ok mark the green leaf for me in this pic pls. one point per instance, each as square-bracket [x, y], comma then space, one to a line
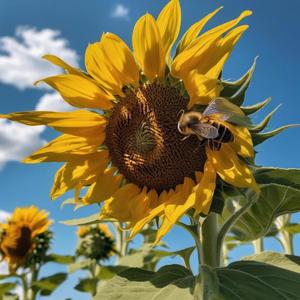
[6, 287]
[87, 285]
[80, 265]
[289, 177]
[258, 138]
[60, 259]
[108, 272]
[134, 260]
[235, 91]
[264, 123]
[284, 261]
[47, 285]
[169, 283]
[248, 280]
[274, 200]
[249, 110]
[92, 219]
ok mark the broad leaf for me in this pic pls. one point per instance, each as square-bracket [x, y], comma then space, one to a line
[60, 259]
[47, 285]
[288, 177]
[135, 260]
[87, 285]
[248, 280]
[274, 200]
[284, 261]
[108, 272]
[92, 219]
[169, 283]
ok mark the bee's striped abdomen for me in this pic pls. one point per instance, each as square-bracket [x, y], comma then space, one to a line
[225, 136]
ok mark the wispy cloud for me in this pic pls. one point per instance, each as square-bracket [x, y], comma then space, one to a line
[20, 66]
[4, 215]
[17, 141]
[53, 102]
[120, 11]
[20, 56]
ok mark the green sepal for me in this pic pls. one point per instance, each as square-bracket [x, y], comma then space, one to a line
[264, 123]
[249, 110]
[235, 91]
[258, 138]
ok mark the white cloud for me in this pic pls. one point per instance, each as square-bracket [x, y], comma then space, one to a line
[4, 215]
[20, 56]
[120, 11]
[53, 102]
[18, 140]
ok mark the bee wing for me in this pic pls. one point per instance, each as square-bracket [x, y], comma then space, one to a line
[227, 111]
[205, 130]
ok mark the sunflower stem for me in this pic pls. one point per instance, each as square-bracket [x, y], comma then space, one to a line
[207, 252]
[258, 245]
[24, 286]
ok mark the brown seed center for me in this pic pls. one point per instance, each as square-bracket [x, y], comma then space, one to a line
[144, 141]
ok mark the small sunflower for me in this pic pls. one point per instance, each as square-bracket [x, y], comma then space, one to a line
[95, 242]
[123, 144]
[19, 234]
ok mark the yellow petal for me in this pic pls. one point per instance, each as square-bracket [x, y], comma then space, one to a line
[79, 122]
[168, 22]
[117, 206]
[230, 168]
[66, 147]
[62, 64]
[242, 143]
[199, 50]
[194, 30]
[120, 58]
[80, 92]
[79, 172]
[148, 47]
[201, 88]
[223, 51]
[204, 190]
[100, 69]
[104, 187]
[175, 207]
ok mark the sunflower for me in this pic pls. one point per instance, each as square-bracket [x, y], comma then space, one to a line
[95, 242]
[19, 234]
[123, 143]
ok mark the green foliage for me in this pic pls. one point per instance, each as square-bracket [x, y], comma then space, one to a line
[250, 280]
[87, 285]
[6, 287]
[60, 259]
[168, 283]
[258, 138]
[47, 285]
[235, 91]
[249, 110]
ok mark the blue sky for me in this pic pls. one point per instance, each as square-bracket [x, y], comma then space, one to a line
[30, 27]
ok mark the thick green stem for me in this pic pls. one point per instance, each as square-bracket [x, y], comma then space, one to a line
[258, 245]
[208, 236]
[34, 276]
[287, 242]
[24, 286]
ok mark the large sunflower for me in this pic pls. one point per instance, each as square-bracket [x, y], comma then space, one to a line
[19, 234]
[127, 149]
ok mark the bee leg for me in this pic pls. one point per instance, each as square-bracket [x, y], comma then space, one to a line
[214, 145]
